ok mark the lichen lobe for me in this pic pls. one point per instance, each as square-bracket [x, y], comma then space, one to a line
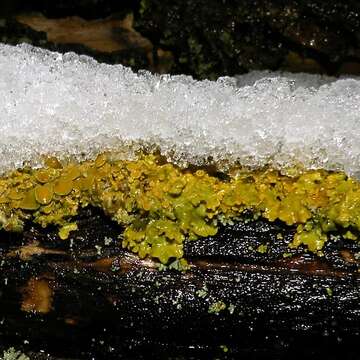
[160, 205]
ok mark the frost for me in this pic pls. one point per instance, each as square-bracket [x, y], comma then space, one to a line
[70, 105]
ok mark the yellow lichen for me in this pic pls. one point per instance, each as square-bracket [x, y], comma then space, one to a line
[65, 230]
[63, 186]
[44, 194]
[29, 201]
[161, 206]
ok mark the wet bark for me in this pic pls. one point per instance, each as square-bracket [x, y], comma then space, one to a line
[104, 302]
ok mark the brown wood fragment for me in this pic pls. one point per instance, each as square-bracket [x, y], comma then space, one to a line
[102, 265]
[105, 35]
[26, 252]
[348, 256]
[37, 296]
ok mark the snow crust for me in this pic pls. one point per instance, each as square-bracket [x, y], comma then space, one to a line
[70, 105]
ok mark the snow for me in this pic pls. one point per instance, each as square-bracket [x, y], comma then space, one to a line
[72, 106]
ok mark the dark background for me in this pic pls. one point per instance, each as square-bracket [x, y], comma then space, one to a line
[204, 38]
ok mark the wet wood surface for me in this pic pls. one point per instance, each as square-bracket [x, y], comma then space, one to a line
[104, 302]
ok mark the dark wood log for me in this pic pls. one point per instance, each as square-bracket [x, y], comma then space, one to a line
[86, 297]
